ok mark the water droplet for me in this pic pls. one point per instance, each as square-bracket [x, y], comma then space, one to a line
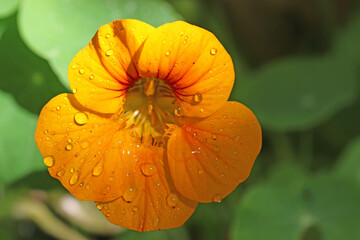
[81, 118]
[201, 171]
[201, 109]
[81, 71]
[167, 53]
[69, 140]
[178, 112]
[148, 169]
[213, 51]
[49, 161]
[61, 173]
[74, 90]
[58, 107]
[81, 184]
[111, 178]
[172, 200]
[74, 178]
[130, 194]
[156, 222]
[181, 33]
[217, 198]
[135, 208]
[74, 66]
[108, 214]
[188, 129]
[68, 147]
[214, 137]
[107, 35]
[72, 170]
[91, 77]
[87, 186]
[100, 206]
[198, 97]
[84, 144]
[46, 131]
[109, 52]
[98, 169]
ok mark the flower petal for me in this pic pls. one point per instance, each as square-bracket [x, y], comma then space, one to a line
[151, 202]
[209, 158]
[101, 72]
[90, 153]
[193, 62]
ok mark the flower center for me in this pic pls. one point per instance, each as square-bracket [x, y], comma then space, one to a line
[149, 106]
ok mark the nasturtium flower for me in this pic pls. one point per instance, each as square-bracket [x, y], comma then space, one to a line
[148, 131]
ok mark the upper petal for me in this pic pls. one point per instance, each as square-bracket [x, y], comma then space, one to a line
[193, 62]
[101, 72]
[151, 202]
[91, 154]
[209, 158]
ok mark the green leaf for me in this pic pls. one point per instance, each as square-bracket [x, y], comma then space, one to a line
[325, 206]
[8, 7]
[26, 76]
[58, 29]
[19, 154]
[170, 234]
[349, 161]
[298, 93]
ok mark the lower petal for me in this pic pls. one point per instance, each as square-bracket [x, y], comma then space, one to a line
[151, 201]
[209, 158]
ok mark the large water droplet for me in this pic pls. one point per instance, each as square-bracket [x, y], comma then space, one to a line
[81, 71]
[148, 169]
[74, 178]
[49, 161]
[81, 118]
[213, 51]
[98, 169]
[198, 97]
[172, 200]
[130, 194]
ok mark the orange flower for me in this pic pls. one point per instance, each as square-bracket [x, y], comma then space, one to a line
[148, 132]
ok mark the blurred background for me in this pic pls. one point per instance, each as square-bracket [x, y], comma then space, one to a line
[297, 66]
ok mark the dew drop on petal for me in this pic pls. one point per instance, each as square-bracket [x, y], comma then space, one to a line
[46, 131]
[202, 110]
[130, 194]
[74, 178]
[72, 170]
[68, 147]
[107, 35]
[97, 169]
[135, 208]
[74, 90]
[58, 107]
[49, 161]
[91, 77]
[87, 186]
[84, 144]
[156, 222]
[69, 140]
[172, 200]
[213, 51]
[74, 66]
[81, 71]
[198, 97]
[201, 171]
[148, 169]
[81, 118]
[61, 173]
[217, 198]
[167, 53]
[109, 52]
[100, 206]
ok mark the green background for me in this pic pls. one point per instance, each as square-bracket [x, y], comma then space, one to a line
[297, 67]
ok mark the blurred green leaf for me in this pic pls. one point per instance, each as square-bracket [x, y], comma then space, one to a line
[8, 7]
[19, 154]
[28, 77]
[298, 93]
[58, 29]
[346, 44]
[349, 162]
[282, 208]
[171, 234]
